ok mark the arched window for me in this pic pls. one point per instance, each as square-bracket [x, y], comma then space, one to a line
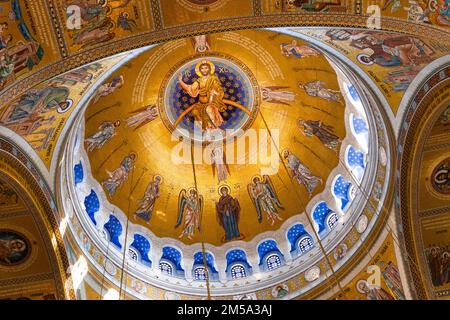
[166, 268]
[172, 256]
[320, 214]
[92, 205]
[200, 273]
[238, 272]
[305, 244]
[237, 264]
[142, 246]
[360, 131]
[270, 257]
[273, 262]
[332, 221]
[114, 228]
[341, 190]
[299, 239]
[199, 269]
[355, 161]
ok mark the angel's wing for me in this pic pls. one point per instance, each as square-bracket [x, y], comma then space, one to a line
[273, 194]
[182, 201]
[255, 201]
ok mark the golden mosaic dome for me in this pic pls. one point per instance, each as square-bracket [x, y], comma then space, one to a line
[238, 152]
[260, 96]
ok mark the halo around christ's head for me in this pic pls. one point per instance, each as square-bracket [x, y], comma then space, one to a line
[203, 62]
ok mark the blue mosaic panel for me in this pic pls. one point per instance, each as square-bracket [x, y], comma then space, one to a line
[92, 205]
[142, 245]
[114, 228]
[320, 215]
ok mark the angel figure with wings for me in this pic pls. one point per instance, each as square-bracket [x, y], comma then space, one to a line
[191, 207]
[278, 94]
[105, 132]
[265, 199]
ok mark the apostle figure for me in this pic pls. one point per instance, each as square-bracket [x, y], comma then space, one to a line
[142, 116]
[147, 204]
[120, 175]
[108, 88]
[293, 49]
[317, 89]
[208, 89]
[228, 213]
[278, 94]
[324, 132]
[105, 132]
[434, 264]
[302, 173]
[191, 207]
[265, 199]
[391, 276]
[445, 268]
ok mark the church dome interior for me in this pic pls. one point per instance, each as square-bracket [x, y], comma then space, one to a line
[223, 150]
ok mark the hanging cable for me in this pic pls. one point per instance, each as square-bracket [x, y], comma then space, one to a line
[126, 235]
[208, 289]
[104, 270]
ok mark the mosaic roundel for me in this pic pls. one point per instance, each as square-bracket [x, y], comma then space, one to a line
[15, 248]
[209, 98]
[440, 178]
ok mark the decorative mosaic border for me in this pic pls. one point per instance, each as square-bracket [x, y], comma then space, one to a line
[215, 26]
[411, 121]
[14, 157]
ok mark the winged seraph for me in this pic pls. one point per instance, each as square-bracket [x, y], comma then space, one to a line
[190, 206]
[265, 199]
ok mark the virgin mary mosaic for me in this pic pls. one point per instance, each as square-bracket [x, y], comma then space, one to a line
[208, 95]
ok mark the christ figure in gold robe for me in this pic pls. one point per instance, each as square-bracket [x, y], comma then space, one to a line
[208, 89]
